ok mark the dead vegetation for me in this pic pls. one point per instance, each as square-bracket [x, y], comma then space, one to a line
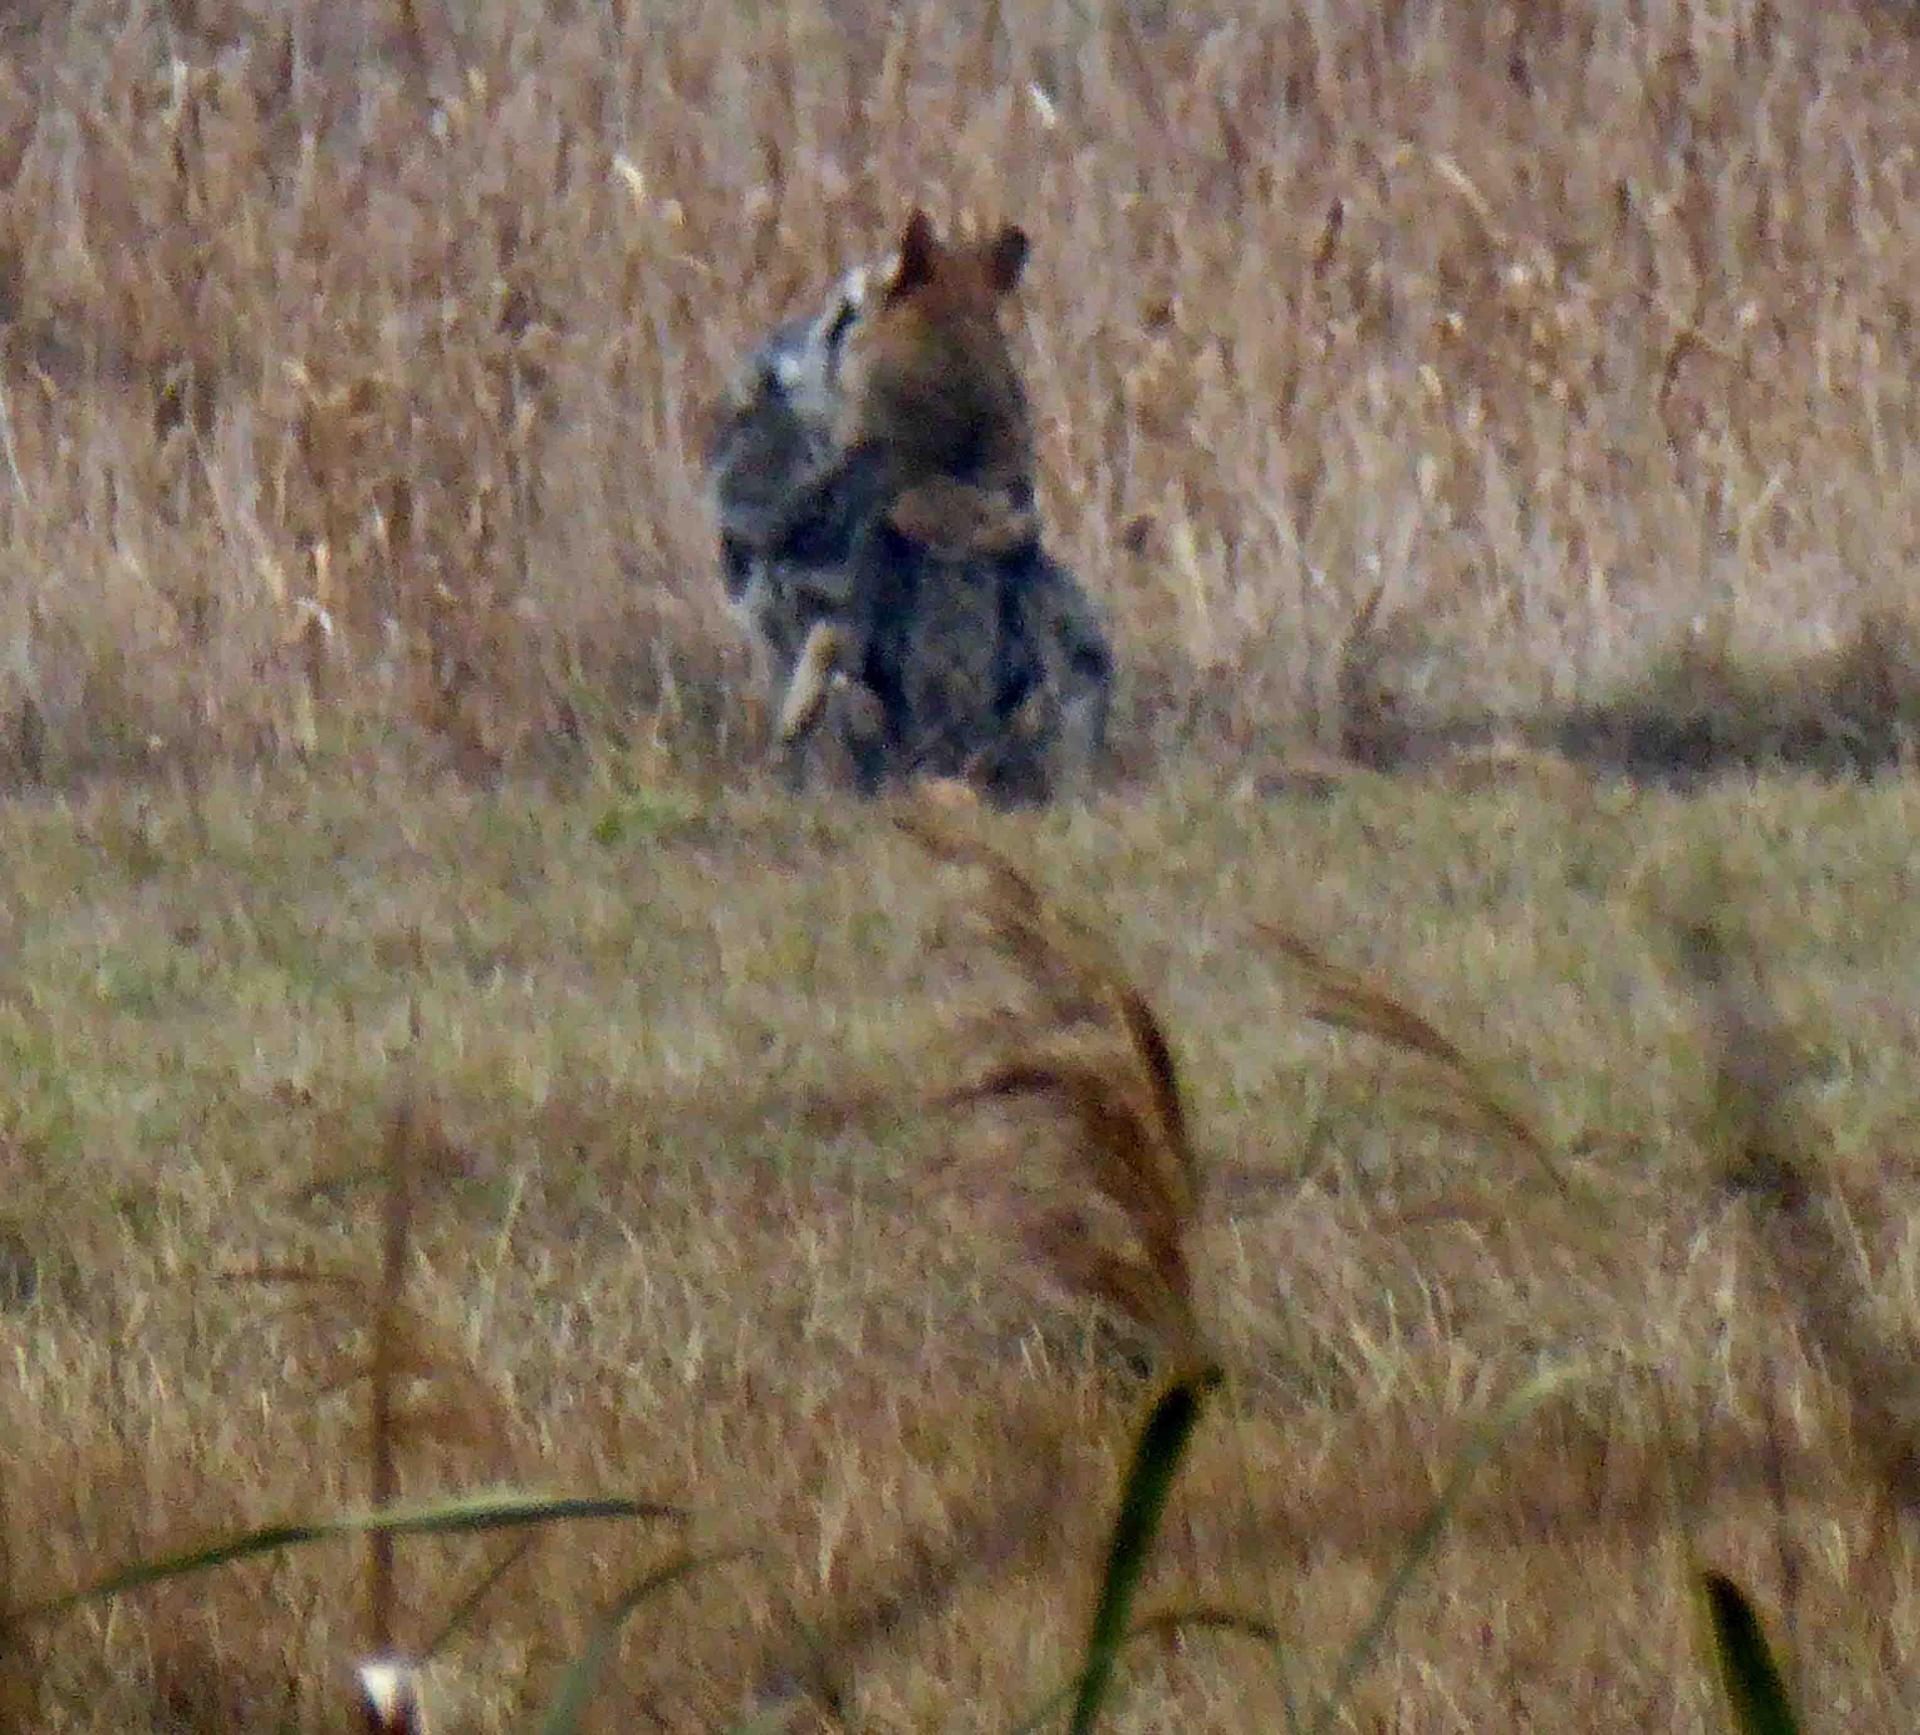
[1108, 1206]
[1441, 368]
[1706, 705]
[1507, 386]
[1389, 1107]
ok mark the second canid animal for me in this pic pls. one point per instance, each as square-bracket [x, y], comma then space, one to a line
[932, 451]
[955, 645]
[933, 429]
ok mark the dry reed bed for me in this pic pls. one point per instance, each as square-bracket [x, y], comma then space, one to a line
[1392, 362]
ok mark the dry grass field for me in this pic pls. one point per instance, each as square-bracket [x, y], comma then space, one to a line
[1398, 367]
[1468, 416]
[684, 1231]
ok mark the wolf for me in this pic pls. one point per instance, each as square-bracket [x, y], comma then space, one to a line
[936, 637]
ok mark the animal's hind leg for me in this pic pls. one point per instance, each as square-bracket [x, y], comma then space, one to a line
[859, 724]
[1051, 685]
[884, 580]
[1081, 699]
[806, 696]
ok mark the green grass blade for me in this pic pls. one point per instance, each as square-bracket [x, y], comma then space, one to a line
[1167, 1621]
[493, 1510]
[468, 1606]
[1156, 1461]
[1756, 1692]
[1484, 1440]
[583, 1673]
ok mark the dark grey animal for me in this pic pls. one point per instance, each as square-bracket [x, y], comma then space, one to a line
[987, 663]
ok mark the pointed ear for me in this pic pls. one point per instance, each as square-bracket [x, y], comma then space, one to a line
[919, 256]
[1008, 258]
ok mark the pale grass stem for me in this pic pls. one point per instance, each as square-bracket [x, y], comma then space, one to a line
[1109, 1206]
[1463, 1097]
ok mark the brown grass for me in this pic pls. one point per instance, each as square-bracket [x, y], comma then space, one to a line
[1109, 1204]
[1805, 1222]
[678, 1231]
[1396, 371]
[1527, 376]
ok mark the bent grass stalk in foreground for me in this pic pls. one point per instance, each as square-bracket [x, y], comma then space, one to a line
[490, 1509]
[583, 1674]
[1108, 1206]
[1128, 1139]
[1143, 1502]
[1766, 1157]
[499, 1509]
[1756, 1691]
[1156, 1459]
[1481, 1446]
[1096, 1055]
[400, 1344]
[1463, 1096]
